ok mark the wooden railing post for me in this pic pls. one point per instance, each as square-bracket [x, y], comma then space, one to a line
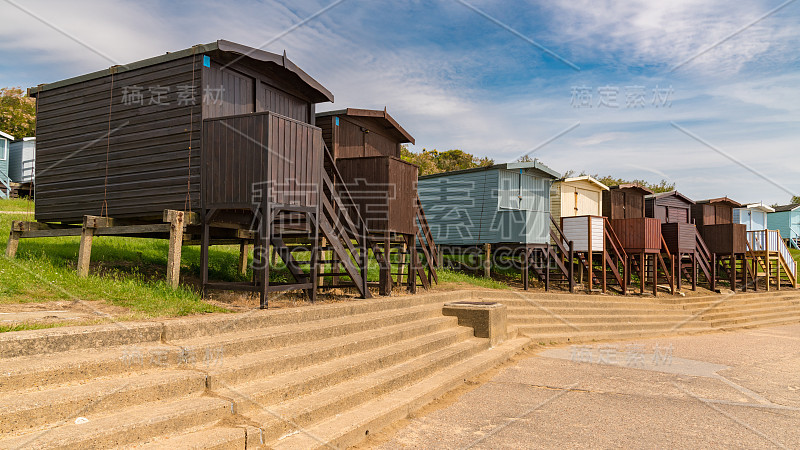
[571, 266]
[13, 242]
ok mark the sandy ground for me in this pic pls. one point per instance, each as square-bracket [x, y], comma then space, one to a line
[721, 390]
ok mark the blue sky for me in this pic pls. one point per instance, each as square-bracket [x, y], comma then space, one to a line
[457, 79]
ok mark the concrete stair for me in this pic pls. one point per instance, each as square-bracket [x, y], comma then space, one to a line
[554, 318]
[295, 378]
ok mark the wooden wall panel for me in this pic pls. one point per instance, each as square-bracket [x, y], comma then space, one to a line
[245, 156]
[143, 166]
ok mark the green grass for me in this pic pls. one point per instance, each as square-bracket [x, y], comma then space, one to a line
[16, 204]
[450, 276]
[130, 273]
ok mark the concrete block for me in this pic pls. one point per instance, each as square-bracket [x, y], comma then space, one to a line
[488, 319]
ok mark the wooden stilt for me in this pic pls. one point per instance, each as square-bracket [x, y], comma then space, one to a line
[641, 271]
[571, 267]
[244, 254]
[694, 271]
[734, 276]
[487, 260]
[655, 275]
[673, 282]
[176, 228]
[547, 269]
[85, 251]
[13, 244]
[385, 273]
[714, 264]
[525, 275]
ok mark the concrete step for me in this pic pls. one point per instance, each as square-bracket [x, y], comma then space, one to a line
[85, 364]
[352, 426]
[26, 410]
[125, 426]
[598, 319]
[755, 317]
[293, 384]
[761, 323]
[603, 328]
[538, 337]
[36, 372]
[715, 313]
[248, 341]
[212, 437]
[402, 342]
[739, 297]
[194, 328]
[589, 302]
[734, 306]
[291, 416]
[596, 313]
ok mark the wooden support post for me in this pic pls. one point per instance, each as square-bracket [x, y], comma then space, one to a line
[571, 266]
[641, 271]
[744, 272]
[655, 275]
[672, 283]
[244, 254]
[694, 271]
[401, 265]
[547, 269]
[412, 263]
[605, 268]
[734, 275]
[768, 272]
[525, 275]
[204, 244]
[85, 251]
[13, 244]
[176, 229]
[679, 258]
[487, 260]
[439, 257]
[385, 272]
[714, 264]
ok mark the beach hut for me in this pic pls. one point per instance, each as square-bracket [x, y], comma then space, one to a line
[577, 196]
[220, 135]
[22, 160]
[499, 208]
[5, 179]
[786, 219]
[365, 145]
[752, 215]
[726, 240]
[639, 236]
[674, 211]
[577, 206]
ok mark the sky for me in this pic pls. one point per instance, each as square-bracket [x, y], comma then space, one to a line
[702, 93]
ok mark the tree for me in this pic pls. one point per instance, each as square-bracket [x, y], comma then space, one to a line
[796, 199]
[434, 161]
[17, 112]
[608, 180]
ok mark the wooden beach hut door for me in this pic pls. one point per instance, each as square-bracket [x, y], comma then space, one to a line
[581, 202]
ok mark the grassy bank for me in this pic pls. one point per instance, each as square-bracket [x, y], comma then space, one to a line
[130, 272]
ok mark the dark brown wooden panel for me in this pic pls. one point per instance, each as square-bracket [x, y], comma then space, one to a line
[246, 155]
[143, 167]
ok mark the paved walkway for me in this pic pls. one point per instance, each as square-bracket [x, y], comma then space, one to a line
[724, 390]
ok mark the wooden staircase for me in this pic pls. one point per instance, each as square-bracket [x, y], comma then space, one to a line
[771, 259]
[553, 263]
